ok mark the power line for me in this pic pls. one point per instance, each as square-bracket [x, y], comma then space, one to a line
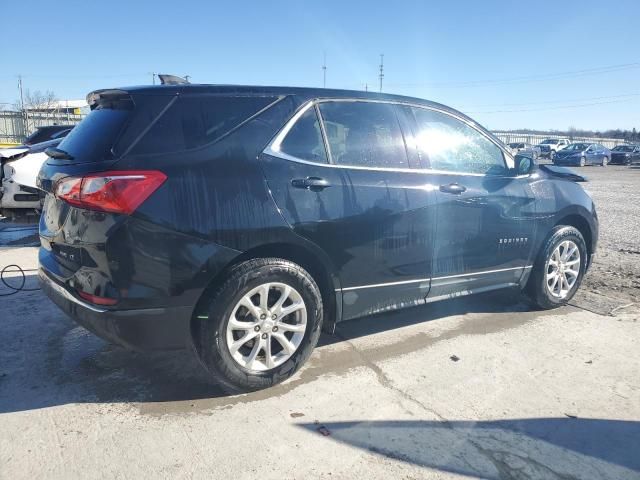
[548, 102]
[560, 107]
[526, 79]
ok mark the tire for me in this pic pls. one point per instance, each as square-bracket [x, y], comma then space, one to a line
[541, 288]
[583, 161]
[214, 338]
[605, 161]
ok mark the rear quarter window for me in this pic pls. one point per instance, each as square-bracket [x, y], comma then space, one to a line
[196, 120]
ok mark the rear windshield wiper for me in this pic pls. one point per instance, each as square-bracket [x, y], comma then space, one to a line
[58, 154]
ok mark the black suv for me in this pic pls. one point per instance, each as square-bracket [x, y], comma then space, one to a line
[243, 220]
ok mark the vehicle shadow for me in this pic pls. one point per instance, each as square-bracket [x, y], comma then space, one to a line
[512, 448]
[48, 360]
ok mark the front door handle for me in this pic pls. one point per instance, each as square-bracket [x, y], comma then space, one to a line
[315, 184]
[454, 188]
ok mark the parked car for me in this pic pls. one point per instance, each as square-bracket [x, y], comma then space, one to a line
[48, 132]
[525, 148]
[581, 154]
[243, 220]
[625, 154]
[19, 169]
[551, 146]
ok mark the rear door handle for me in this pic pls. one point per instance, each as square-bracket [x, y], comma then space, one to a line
[454, 188]
[315, 184]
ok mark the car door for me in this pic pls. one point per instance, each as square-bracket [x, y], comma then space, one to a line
[485, 216]
[596, 154]
[343, 177]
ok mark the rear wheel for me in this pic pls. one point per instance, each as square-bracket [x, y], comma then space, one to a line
[559, 268]
[261, 324]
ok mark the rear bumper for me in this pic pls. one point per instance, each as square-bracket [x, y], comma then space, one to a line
[615, 159]
[138, 329]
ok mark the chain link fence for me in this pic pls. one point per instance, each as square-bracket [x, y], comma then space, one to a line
[535, 139]
[16, 126]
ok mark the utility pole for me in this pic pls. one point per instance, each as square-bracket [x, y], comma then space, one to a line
[25, 115]
[366, 87]
[324, 71]
[20, 90]
[381, 70]
[153, 77]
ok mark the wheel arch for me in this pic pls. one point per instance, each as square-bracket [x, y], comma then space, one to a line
[310, 259]
[582, 225]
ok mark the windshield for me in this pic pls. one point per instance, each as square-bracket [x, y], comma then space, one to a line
[578, 146]
[623, 148]
[550, 141]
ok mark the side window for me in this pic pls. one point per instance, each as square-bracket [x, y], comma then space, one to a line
[195, 120]
[304, 140]
[364, 134]
[451, 145]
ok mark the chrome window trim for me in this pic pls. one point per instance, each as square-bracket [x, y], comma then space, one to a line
[323, 132]
[406, 282]
[273, 148]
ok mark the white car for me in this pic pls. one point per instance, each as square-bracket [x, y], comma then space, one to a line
[19, 169]
[550, 146]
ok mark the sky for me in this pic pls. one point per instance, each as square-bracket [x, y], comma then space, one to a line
[543, 64]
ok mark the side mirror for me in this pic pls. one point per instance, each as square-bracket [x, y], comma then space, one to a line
[524, 165]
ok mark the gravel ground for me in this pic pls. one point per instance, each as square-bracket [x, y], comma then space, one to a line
[478, 387]
[616, 270]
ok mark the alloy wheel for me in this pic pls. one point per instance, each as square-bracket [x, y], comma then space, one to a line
[563, 268]
[266, 326]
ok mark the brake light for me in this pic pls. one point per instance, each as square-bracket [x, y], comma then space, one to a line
[96, 299]
[114, 191]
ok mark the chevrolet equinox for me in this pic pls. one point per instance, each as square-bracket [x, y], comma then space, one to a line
[241, 221]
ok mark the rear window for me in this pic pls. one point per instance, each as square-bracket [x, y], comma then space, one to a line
[195, 120]
[92, 139]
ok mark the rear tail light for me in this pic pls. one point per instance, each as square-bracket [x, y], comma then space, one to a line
[114, 191]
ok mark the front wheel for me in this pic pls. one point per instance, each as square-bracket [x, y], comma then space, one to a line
[260, 326]
[559, 268]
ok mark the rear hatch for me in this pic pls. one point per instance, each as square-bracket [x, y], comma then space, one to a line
[94, 146]
[90, 150]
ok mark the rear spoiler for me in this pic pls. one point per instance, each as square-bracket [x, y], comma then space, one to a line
[563, 172]
[111, 96]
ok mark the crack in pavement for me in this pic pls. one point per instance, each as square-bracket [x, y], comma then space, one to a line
[499, 459]
[386, 382]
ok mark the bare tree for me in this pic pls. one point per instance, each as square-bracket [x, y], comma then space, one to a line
[37, 100]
